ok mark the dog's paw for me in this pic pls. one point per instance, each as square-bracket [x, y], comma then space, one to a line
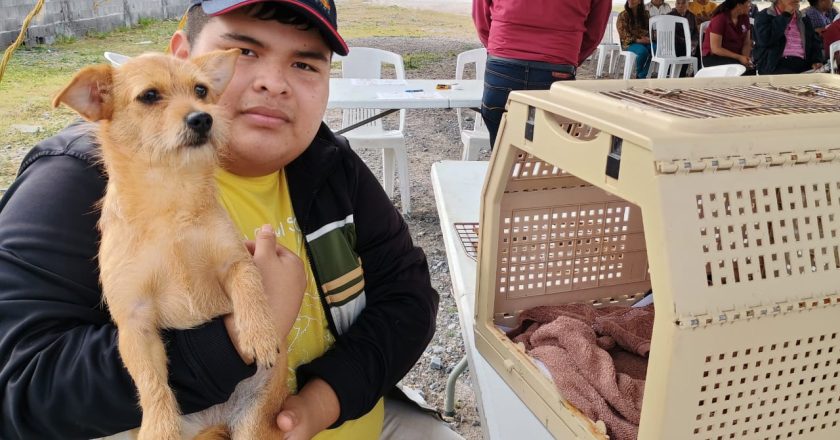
[258, 337]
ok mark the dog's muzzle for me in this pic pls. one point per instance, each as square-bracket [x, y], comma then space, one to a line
[199, 124]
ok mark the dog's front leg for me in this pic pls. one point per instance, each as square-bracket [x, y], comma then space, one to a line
[253, 319]
[144, 356]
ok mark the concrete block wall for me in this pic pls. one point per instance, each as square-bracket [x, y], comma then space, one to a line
[79, 17]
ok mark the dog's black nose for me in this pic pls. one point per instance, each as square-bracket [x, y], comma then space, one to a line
[200, 122]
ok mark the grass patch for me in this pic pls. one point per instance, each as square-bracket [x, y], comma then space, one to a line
[420, 59]
[36, 74]
[357, 19]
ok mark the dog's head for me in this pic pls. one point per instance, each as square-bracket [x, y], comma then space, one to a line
[156, 105]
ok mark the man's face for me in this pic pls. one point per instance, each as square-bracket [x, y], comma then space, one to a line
[681, 6]
[278, 94]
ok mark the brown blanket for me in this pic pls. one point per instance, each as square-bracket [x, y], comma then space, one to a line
[597, 358]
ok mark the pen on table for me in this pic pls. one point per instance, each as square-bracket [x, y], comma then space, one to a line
[414, 90]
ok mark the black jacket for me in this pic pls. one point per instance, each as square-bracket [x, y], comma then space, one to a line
[60, 372]
[770, 39]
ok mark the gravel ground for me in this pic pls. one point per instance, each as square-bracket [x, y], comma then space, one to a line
[432, 135]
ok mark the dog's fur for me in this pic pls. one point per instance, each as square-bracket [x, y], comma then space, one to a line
[170, 257]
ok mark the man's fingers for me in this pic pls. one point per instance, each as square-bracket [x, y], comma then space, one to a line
[265, 241]
[287, 420]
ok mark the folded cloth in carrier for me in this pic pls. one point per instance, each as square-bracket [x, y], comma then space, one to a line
[597, 358]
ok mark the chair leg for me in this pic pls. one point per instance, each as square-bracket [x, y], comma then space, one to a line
[602, 55]
[471, 150]
[402, 171]
[614, 54]
[388, 159]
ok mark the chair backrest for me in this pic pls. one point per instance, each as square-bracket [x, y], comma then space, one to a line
[832, 51]
[614, 28]
[116, 59]
[666, 35]
[479, 58]
[611, 33]
[721, 71]
[703, 27]
[366, 63]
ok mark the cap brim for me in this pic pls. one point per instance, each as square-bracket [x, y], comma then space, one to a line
[336, 43]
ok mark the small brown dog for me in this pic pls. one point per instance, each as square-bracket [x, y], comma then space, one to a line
[170, 257]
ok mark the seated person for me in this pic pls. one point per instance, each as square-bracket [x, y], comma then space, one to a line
[830, 35]
[818, 14]
[702, 9]
[657, 7]
[633, 33]
[786, 42]
[727, 40]
[681, 10]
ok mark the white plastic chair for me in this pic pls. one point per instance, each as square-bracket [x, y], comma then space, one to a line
[609, 47]
[478, 137]
[629, 63]
[366, 63]
[721, 71]
[116, 59]
[703, 26]
[665, 55]
[835, 46]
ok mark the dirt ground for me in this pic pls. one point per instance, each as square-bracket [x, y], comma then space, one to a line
[432, 135]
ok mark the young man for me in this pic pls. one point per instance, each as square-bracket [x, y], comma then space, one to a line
[368, 306]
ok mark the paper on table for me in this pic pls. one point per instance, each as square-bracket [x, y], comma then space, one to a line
[408, 95]
[376, 81]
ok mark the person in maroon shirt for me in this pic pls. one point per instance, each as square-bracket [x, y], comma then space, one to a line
[728, 39]
[532, 43]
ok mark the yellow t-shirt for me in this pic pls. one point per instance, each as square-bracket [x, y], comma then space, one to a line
[252, 202]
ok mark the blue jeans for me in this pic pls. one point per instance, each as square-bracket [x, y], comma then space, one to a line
[502, 76]
[642, 52]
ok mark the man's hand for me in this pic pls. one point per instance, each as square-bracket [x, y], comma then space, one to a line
[284, 282]
[314, 409]
[283, 277]
[816, 66]
[644, 40]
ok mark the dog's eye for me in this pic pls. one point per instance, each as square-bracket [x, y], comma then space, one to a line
[150, 96]
[201, 91]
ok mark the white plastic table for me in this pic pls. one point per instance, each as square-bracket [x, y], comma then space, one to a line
[393, 95]
[457, 186]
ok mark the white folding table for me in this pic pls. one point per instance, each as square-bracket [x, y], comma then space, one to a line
[394, 95]
[457, 186]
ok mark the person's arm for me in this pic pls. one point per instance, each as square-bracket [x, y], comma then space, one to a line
[398, 319]
[61, 375]
[746, 49]
[482, 19]
[595, 25]
[625, 34]
[815, 55]
[716, 47]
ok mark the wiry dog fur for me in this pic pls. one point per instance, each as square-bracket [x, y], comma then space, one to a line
[170, 257]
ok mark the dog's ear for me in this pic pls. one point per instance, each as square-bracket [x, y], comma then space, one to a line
[89, 92]
[219, 66]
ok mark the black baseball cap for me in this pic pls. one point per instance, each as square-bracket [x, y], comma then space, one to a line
[320, 12]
